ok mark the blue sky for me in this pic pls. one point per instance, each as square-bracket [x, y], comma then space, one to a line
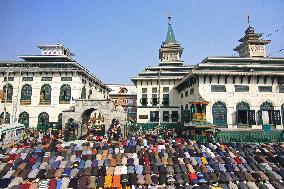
[116, 40]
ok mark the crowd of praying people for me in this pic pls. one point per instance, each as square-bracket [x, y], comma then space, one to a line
[140, 161]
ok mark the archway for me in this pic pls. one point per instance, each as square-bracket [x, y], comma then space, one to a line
[85, 117]
[96, 123]
[43, 121]
[219, 111]
[24, 119]
[243, 113]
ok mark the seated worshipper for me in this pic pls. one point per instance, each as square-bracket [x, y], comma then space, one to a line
[140, 179]
[124, 180]
[179, 180]
[91, 182]
[116, 182]
[170, 179]
[100, 181]
[108, 181]
[132, 180]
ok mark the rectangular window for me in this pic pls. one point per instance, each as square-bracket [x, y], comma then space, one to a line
[144, 100]
[84, 81]
[265, 88]
[165, 99]
[175, 116]
[166, 89]
[154, 100]
[66, 78]
[181, 95]
[27, 79]
[46, 79]
[218, 88]
[154, 116]
[9, 78]
[281, 88]
[186, 93]
[166, 116]
[154, 90]
[144, 90]
[241, 88]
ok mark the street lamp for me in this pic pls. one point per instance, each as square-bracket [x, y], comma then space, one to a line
[159, 96]
[6, 93]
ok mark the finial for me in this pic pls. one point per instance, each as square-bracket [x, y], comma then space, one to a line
[58, 42]
[248, 19]
[169, 17]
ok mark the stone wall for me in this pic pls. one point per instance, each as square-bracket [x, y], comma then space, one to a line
[106, 107]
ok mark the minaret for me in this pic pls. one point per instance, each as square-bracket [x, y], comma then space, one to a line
[251, 44]
[170, 51]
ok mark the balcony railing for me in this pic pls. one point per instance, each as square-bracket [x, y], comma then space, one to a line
[199, 117]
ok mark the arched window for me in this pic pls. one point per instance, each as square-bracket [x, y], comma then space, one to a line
[45, 94]
[7, 118]
[43, 121]
[219, 111]
[266, 106]
[26, 94]
[9, 92]
[65, 94]
[24, 119]
[242, 106]
[83, 93]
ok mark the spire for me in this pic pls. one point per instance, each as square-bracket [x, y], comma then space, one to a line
[248, 19]
[250, 29]
[251, 44]
[170, 33]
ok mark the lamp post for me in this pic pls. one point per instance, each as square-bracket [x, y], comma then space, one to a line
[6, 94]
[159, 96]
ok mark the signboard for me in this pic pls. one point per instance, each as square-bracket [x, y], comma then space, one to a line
[143, 116]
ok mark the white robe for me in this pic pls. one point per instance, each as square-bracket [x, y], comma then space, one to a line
[265, 117]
